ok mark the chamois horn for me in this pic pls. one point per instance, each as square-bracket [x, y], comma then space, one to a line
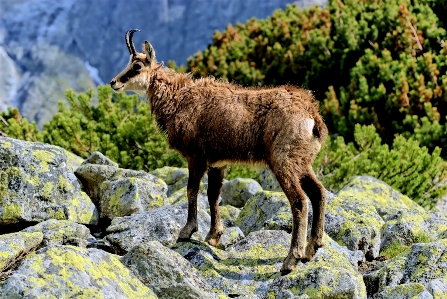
[129, 41]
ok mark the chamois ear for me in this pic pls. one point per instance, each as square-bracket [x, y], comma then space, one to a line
[149, 51]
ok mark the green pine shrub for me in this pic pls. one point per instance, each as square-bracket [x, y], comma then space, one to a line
[121, 127]
[406, 166]
[369, 62]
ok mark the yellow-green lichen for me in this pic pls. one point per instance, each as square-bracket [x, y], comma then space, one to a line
[16, 244]
[47, 190]
[44, 157]
[6, 144]
[393, 250]
[12, 213]
[63, 185]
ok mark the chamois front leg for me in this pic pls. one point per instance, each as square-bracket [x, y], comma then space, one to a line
[215, 178]
[196, 171]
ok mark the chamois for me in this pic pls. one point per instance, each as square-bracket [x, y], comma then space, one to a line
[213, 123]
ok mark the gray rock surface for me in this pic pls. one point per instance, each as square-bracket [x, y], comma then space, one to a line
[238, 191]
[166, 272]
[36, 185]
[61, 232]
[73, 272]
[120, 192]
[161, 224]
[16, 245]
[268, 180]
[422, 263]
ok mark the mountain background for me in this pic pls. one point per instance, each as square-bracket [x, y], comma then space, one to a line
[49, 46]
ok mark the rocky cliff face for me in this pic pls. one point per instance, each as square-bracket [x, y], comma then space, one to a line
[47, 46]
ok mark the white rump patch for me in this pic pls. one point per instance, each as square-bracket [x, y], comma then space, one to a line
[308, 126]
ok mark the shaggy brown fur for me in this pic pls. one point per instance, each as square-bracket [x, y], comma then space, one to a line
[214, 123]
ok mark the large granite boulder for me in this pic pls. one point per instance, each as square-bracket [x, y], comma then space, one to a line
[36, 184]
[238, 191]
[120, 192]
[61, 232]
[161, 224]
[166, 272]
[72, 272]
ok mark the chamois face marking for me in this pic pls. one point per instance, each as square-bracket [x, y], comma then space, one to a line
[137, 72]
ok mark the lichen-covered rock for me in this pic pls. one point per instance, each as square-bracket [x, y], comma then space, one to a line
[171, 175]
[15, 245]
[238, 191]
[351, 222]
[73, 161]
[123, 197]
[378, 194]
[36, 184]
[121, 192]
[228, 215]
[265, 210]
[231, 236]
[99, 159]
[405, 291]
[424, 263]
[161, 224]
[268, 181]
[166, 272]
[438, 288]
[61, 232]
[410, 226]
[250, 269]
[180, 195]
[73, 272]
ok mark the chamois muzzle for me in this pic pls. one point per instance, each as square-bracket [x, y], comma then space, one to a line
[129, 41]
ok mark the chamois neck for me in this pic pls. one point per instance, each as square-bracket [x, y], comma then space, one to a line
[161, 94]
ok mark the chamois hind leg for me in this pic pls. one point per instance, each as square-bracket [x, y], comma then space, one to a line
[289, 174]
[196, 169]
[215, 178]
[317, 195]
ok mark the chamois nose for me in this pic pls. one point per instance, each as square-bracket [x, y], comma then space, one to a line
[112, 82]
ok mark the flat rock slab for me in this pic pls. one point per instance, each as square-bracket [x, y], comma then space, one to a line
[73, 272]
[161, 224]
[36, 184]
[250, 269]
[61, 232]
[166, 272]
[15, 245]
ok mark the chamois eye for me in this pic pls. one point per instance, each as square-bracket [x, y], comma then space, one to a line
[136, 67]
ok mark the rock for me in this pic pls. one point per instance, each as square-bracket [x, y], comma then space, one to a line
[378, 194]
[228, 215]
[438, 288]
[354, 224]
[123, 197]
[99, 159]
[422, 263]
[121, 192]
[268, 181]
[238, 191]
[73, 161]
[231, 236]
[166, 272]
[61, 232]
[73, 272]
[250, 269]
[16, 245]
[180, 196]
[405, 291]
[36, 185]
[171, 175]
[409, 226]
[161, 224]
[265, 210]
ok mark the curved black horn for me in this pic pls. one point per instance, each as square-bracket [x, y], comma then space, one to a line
[129, 41]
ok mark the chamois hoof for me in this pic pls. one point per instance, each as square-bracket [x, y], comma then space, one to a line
[214, 238]
[186, 233]
[311, 250]
[288, 265]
